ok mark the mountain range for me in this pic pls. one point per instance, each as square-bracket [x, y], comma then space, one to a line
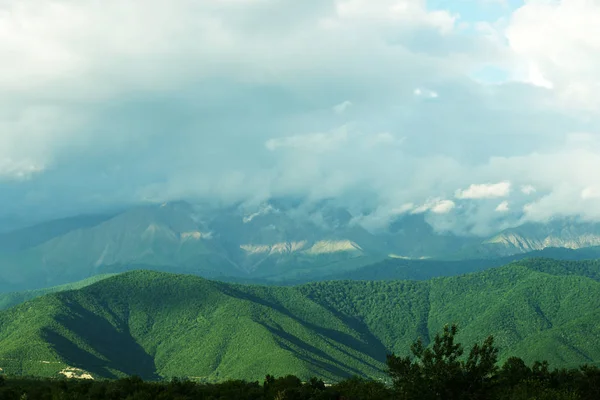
[274, 242]
[159, 325]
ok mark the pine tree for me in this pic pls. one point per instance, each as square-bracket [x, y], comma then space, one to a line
[439, 372]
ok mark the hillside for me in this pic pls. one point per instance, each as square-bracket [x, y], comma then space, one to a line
[406, 269]
[12, 299]
[179, 237]
[155, 324]
[565, 233]
[276, 242]
[392, 269]
[149, 323]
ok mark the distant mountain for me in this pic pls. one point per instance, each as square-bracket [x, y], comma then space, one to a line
[25, 238]
[161, 325]
[277, 241]
[410, 236]
[8, 300]
[559, 233]
[406, 269]
[261, 243]
[149, 235]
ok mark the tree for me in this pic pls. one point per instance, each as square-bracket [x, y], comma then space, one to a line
[357, 388]
[480, 368]
[514, 371]
[439, 372]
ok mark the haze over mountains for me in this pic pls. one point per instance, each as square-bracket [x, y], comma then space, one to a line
[274, 242]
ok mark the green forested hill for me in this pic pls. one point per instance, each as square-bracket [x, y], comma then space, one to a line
[400, 269]
[155, 324]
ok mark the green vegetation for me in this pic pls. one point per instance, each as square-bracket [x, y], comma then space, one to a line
[441, 371]
[587, 268]
[402, 269]
[444, 371]
[393, 269]
[159, 325]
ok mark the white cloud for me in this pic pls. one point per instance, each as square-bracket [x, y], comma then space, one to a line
[404, 208]
[537, 78]
[503, 207]
[528, 189]
[18, 170]
[592, 192]
[558, 45]
[95, 49]
[341, 138]
[485, 191]
[342, 107]
[437, 206]
[443, 207]
[207, 100]
[408, 12]
[426, 93]
[69, 54]
[314, 142]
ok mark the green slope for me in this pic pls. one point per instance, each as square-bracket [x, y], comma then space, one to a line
[155, 324]
[148, 323]
[402, 269]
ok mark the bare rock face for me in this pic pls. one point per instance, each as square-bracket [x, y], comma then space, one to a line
[267, 241]
[537, 236]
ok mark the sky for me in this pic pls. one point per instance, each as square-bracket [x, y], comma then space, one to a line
[480, 113]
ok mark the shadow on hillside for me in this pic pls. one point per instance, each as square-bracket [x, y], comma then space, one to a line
[368, 345]
[117, 350]
[311, 354]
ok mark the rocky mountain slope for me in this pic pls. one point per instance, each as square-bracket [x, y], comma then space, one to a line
[535, 236]
[265, 242]
[273, 241]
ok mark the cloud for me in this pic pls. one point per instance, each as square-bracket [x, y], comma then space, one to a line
[342, 107]
[485, 191]
[313, 142]
[404, 208]
[557, 45]
[18, 170]
[443, 207]
[590, 193]
[426, 93]
[503, 207]
[210, 100]
[437, 206]
[528, 189]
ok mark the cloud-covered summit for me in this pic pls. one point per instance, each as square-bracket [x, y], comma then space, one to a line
[381, 104]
